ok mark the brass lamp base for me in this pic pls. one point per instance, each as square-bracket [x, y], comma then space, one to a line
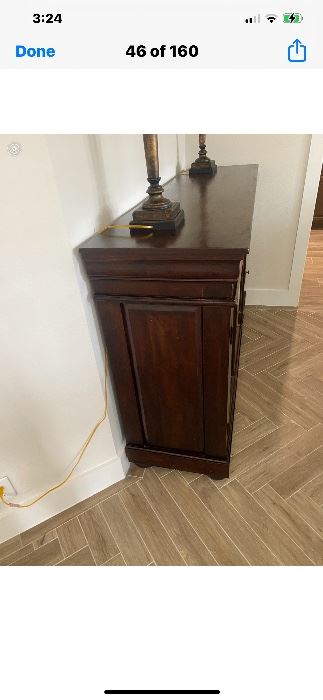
[168, 219]
[207, 167]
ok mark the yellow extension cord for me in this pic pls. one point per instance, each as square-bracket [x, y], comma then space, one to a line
[81, 451]
[78, 456]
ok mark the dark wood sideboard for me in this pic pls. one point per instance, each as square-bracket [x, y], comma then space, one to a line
[318, 213]
[171, 310]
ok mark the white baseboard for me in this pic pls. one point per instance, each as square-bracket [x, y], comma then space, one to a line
[271, 297]
[13, 521]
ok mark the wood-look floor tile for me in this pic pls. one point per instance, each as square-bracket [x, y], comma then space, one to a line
[292, 523]
[47, 555]
[245, 341]
[247, 409]
[312, 296]
[10, 546]
[285, 458]
[254, 322]
[315, 318]
[260, 345]
[314, 489]
[270, 360]
[43, 528]
[311, 398]
[188, 476]
[251, 434]
[48, 537]
[210, 532]
[254, 549]
[258, 355]
[299, 475]
[15, 556]
[98, 535]
[300, 365]
[156, 538]
[240, 422]
[267, 445]
[71, 537]
[249, 333]
[130, 543]
[268, 318]
[160, 471]
[291, 407]
[296, 400]
[81, 558]
[310, 511]
[296, 326]
[313, 383]
[118, 560]
[191, 547]
[134, 470]
[286, 551]
[259, 400]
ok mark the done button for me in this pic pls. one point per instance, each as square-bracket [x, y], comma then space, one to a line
[32, 52]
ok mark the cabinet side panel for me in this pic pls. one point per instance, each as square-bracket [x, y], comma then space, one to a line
[112, 324]
[216, 369]
[167, 358]
[318, 213]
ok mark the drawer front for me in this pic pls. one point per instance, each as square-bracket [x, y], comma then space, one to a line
[225, 290]
[164, 270]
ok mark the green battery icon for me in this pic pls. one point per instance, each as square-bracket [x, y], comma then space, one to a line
[292, 17]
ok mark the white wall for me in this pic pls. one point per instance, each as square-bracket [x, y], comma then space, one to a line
[98, 178]
[282, 168]
[101, 177]
[53, 196]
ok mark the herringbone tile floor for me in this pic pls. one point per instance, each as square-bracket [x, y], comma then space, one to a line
[312, 288]
[270, 510]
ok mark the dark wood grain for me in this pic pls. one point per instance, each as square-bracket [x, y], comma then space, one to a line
[218, 218]
[318, 213]
[171, 310]
[166, 347]
[217, 376]
[112, 324]
[201, 464]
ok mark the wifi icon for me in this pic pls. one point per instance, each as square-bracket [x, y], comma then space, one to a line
[271, 18]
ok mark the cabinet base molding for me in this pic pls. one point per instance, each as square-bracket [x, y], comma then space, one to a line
[147, 457]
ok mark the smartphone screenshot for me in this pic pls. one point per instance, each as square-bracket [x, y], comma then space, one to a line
[161, 350]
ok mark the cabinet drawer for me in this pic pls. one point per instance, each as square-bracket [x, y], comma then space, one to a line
[206, 269]
[225, 290]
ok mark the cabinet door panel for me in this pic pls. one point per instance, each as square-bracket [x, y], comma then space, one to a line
[166, 348]
[113, 327]
[217, 374]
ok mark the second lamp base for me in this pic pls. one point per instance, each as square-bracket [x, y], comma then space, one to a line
[199, 168]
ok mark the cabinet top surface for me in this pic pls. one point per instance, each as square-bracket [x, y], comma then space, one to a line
[218, 215]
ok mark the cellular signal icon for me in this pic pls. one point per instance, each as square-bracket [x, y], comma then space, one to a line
[253, 20]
